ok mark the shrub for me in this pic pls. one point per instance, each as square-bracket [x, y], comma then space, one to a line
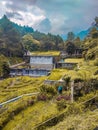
[61, 104]
[42, 97]
[49, 96]
[96, 62]
[30, 102]
[48, 89]
[65, 97]
[75, 108]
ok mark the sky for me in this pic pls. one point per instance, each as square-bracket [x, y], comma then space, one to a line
[54, 16]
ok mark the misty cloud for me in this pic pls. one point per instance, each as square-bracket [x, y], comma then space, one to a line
[55, 16]
[14, 14]
[44, 26]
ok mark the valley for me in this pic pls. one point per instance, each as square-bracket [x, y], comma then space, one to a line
[34, 65]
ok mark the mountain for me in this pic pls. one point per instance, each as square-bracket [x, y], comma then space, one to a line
[83, 34]
[10, 38]
[14, 39]
[21, 29]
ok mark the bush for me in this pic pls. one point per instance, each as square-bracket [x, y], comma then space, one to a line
[49, 96]
[61, 104]
[42, 97]
[75, 108]
[65, 97]
[30, 102]
[96, 62]
[48, 89]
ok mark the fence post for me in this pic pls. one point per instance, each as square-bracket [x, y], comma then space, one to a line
[72, 91]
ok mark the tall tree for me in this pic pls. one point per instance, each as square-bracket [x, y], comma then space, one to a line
[6, 69]
[70, 36]
[94, 33]
[70, 49]
[96, 21]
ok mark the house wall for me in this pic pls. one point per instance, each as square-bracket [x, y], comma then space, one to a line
[41, 60]
[28, 72]
[67, 65]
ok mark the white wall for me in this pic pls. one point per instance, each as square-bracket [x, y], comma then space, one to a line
[41, 60]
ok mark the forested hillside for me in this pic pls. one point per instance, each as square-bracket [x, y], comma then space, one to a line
[15, 39]
[10, 44]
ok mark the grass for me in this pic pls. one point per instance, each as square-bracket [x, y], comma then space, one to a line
[74, 60]
[84, 72]
[46, 53]
[10, 61]
[87, 121]
[57, 74]
[13, 87]
[26, 117]
[32, 116]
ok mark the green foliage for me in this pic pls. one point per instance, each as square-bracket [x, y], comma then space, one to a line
[91, 45]
[70, 36]
[78, 43]
[70, 48]
[13, 87]
[29, 43]
[6, 70]
[10, 39]
[7, 61]
[86, 121]
[48, 89]
[48, 41]
[74, 60]
[94, 32]
[57, 74]
[32, 115]
[61, 105]
[67, 80]
[96, 62]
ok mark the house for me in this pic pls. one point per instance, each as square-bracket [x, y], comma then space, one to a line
[36, 64]
[68, 65]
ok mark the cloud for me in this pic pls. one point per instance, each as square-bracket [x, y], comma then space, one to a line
[74, 15]
[44, 26]
[22, 12]
[14, 14]
[55, 16]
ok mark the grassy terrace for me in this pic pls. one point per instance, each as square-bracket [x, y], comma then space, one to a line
[83, 71]
[57, 74]
[87, 121]
[21, 115]
[13, 87]
[47, 53]
[32, 115]
[74, 60]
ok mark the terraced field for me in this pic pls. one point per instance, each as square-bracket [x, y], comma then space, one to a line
[13, 87]
[87, 121]
[31, 115]
[26, 112]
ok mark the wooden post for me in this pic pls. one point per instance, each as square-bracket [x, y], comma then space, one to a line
[72, 91]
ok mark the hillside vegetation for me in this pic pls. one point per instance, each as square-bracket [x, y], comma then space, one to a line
[28, 103]
[16, 39]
